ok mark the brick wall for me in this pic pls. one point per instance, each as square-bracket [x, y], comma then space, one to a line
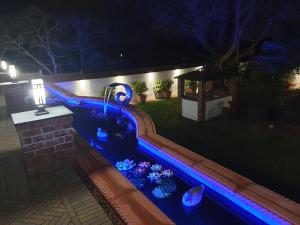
[47, 144]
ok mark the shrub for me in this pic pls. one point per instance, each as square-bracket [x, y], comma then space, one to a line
[163, 85]
[191, 84]
[139, 87]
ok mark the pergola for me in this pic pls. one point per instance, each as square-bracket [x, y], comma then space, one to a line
[212, 93]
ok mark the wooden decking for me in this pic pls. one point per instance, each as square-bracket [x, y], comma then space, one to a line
[58, 197]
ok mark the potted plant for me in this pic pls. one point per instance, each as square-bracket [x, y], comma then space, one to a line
[139, 88]
[191, 87]
[158, 89]
[162, 88]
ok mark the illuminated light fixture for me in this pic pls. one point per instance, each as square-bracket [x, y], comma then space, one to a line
[3, 65]
[119, 79]
[12, 72]
[39, 96]
[176, 72]
[200, 68]
[151, 76]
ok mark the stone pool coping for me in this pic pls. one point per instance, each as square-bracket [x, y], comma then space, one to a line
[282, 207]
[131, 205]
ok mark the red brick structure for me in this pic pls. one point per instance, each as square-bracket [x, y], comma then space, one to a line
[47, 142]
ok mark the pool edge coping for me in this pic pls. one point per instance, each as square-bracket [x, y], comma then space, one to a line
[114, 187]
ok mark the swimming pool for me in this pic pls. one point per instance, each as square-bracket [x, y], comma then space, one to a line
[219, 200]
[118, 148]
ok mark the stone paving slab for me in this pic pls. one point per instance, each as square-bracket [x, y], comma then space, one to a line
[54, 198]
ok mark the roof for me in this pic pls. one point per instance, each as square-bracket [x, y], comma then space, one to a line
[203, 75]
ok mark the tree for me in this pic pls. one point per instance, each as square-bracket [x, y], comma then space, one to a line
[34, 34]
[55, 43]
[223, 30]
[85, 41]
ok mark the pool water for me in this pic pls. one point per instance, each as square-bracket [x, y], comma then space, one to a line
[123, 145]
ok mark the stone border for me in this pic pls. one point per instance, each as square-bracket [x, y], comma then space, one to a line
[110, 211]
[130, 204]
[274, 205]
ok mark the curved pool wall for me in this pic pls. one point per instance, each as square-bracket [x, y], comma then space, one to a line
[262, 214]
[117, 148]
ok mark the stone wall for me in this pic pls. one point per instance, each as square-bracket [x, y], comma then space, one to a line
[47, 144]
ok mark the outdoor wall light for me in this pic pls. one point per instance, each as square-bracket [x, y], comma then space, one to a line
[3, 65]
[150, 76]
[39, 96]
[176, 72]
[12, 72]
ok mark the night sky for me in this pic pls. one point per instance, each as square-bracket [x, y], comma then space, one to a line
[59, 6]
[132, 28]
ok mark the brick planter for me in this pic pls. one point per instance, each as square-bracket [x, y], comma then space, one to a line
[47, 141]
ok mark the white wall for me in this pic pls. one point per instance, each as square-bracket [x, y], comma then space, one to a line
[214, 107]
[2, 101]
[93, 87]
[297, 81]
[189, 109]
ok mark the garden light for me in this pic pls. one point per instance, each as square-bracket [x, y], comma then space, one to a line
[12, 72]
[3, 65]
[39, 96]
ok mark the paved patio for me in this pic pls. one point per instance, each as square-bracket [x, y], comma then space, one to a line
[52, 198]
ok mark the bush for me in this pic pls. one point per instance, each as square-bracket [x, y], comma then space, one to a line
[139, 87]
[163, 85]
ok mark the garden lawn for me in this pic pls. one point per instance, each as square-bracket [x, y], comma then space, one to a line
[272, 160]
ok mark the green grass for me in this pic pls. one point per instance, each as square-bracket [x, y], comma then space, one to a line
[272, 160]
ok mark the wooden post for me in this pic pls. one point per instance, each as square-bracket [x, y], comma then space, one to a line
[201, 100]
[233, 86]
[211, 85]
[180, 94]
